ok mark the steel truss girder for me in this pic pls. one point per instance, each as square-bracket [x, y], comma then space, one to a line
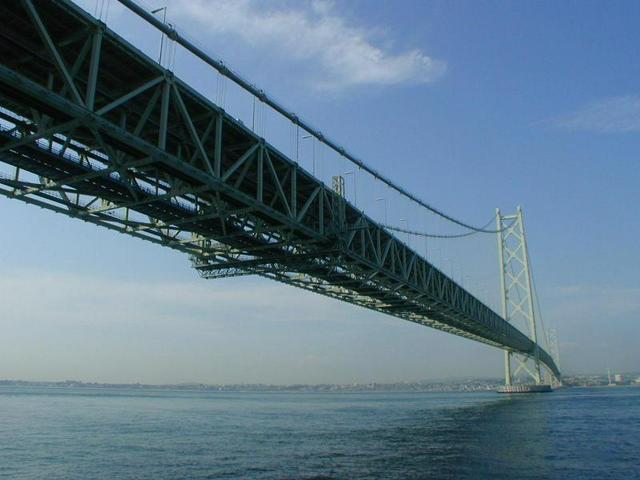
[117, 140]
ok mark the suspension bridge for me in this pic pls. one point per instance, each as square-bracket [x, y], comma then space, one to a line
[93, 128]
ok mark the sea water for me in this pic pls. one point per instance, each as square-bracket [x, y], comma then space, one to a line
[132, 433]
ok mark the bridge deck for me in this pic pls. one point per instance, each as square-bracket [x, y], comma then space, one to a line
[92, 128]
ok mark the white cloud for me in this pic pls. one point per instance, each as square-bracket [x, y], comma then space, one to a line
[343, 54]
[609, 115]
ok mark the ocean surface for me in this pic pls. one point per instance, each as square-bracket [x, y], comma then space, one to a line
[84, 433]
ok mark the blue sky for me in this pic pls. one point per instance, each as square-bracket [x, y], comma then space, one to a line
[470, 105]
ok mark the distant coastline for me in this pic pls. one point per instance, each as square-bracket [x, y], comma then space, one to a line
[474, 385]
[454, 385]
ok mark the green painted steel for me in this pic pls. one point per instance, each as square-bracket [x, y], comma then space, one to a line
[168, 30]
[92, 128]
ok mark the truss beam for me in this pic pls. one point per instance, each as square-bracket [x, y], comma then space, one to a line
[119, 141]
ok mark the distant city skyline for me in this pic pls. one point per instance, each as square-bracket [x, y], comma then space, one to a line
[470, 106]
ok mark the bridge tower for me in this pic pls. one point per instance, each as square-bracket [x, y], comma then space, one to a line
[554, 350]
[516, 294]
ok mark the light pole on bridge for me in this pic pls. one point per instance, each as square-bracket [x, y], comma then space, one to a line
[406, 224]
[382, 199]
[355, 186]
[164, 20]
[313, 152]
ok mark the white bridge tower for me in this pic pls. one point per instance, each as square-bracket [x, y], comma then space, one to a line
[516, 293]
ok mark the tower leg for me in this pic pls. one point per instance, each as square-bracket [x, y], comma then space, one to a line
[507, 368]
[517, 295]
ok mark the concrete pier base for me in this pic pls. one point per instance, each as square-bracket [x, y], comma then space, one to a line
[524, 389]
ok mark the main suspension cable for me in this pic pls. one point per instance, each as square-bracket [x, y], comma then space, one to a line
[249, 87]
[417, 233]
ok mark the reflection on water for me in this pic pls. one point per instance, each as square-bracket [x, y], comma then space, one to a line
[98, 433]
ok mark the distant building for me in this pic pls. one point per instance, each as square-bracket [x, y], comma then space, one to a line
[618, 378]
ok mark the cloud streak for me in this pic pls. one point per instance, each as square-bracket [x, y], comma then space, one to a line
[609, 115]
[99, 300]
[91, 327]
[341, 54]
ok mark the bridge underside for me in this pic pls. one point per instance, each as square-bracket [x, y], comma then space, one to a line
[92, 128]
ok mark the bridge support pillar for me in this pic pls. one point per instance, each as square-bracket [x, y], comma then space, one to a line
[516, 294]
[507, 367]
